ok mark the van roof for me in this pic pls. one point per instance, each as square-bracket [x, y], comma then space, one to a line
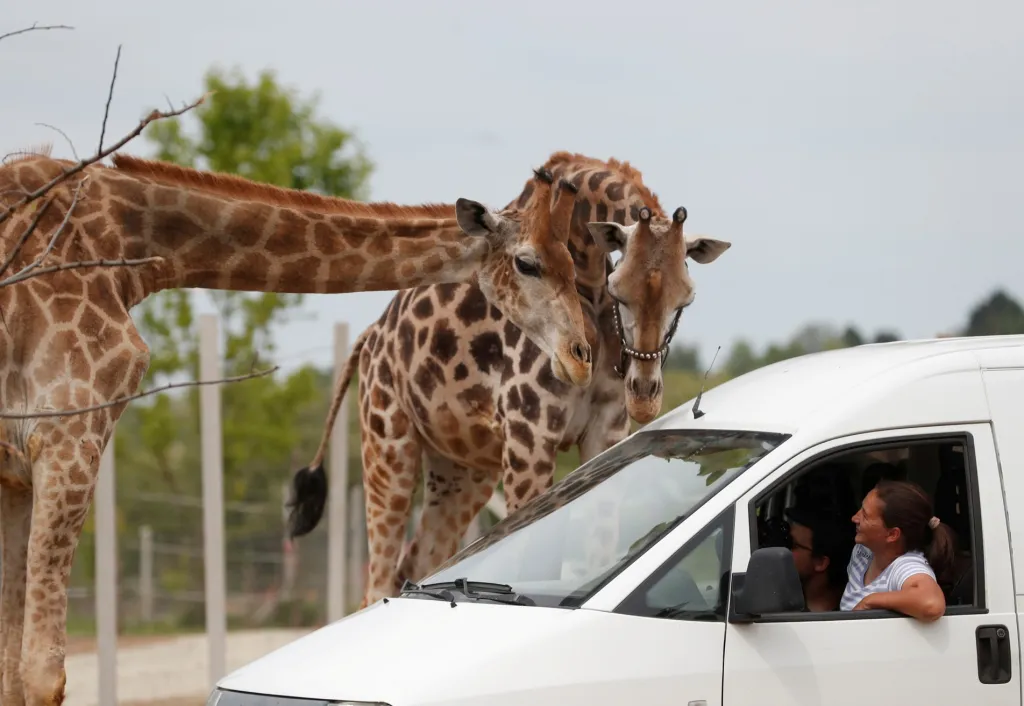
[863, 388]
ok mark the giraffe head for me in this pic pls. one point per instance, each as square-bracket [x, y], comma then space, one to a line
[533, 280]
[650, 286]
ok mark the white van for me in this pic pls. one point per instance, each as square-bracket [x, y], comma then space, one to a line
[639, 578]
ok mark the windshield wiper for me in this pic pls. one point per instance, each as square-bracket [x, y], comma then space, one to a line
[681, 611]
[411, 589]
[483, 590]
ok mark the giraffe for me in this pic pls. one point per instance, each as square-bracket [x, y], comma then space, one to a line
[477, 404]
[67, 339]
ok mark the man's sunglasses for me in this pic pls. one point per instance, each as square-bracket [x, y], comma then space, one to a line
[776, 533]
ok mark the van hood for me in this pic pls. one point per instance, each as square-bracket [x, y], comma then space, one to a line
[419, 651]
[409, 651]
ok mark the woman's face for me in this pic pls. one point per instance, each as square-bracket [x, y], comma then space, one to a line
[871, 529]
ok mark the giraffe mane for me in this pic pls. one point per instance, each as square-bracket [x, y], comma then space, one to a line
[234, 186]
[32, 152]
[649, 198]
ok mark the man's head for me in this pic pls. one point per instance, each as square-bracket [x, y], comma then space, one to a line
[821, 544]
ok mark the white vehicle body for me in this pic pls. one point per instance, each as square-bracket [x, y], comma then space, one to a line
[950, 412]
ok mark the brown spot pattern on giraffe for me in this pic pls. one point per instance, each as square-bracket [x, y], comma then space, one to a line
[473, 307]
[487, 351]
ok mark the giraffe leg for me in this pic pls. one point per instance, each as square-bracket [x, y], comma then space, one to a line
[16, 512]
[453, 496]
[391, 466]
[63, 482]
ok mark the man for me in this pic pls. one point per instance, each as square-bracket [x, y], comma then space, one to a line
[821, 543]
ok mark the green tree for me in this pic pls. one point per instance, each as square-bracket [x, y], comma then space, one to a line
[683, 357]
[851, 337]
[998, 314]
[268, 133]
[887, 336]
[742, 359]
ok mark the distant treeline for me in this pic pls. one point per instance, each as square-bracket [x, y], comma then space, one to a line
[999, 313]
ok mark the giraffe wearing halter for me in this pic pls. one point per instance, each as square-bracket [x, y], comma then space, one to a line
[473, 400]
[67, 339]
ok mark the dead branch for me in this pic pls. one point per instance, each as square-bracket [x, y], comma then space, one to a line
[35, 269]
[63, 134]
[153, 116]
[36, 27]
[49, 246]
[123, 262]
[122, 400]
[26, 235]
[110, 97]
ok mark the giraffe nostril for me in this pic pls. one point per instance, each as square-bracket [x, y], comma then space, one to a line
[581, 352]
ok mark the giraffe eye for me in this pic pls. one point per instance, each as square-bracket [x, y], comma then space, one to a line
[525, 267]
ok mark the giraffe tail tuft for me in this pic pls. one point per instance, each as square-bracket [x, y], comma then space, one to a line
[308, 499]
[309, 484]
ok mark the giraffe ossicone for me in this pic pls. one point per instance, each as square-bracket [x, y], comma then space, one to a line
[69, 342]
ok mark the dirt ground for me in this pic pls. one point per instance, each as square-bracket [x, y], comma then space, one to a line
[78, 644]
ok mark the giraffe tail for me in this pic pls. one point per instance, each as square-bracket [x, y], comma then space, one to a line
[309, 484]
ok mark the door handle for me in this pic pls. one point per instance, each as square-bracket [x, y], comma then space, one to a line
[993, 643]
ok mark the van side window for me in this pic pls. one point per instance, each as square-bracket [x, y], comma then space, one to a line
[822, 496]
[693, 584]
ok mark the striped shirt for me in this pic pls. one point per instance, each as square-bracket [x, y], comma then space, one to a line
[891, 579]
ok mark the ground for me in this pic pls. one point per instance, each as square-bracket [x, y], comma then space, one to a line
[156, 670]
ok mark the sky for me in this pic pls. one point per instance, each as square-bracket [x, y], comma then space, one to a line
[864, 158]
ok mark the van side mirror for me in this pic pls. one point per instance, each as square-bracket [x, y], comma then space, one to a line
[770, 585]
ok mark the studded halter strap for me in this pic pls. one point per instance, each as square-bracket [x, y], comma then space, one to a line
[626, 351]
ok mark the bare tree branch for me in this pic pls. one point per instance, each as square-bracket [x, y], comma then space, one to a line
[35, 269]
[36, 27]
[64, 135]
[110, 97]
[122, 400]
[53, 239]
[123, 262]
[153, 116]
[26, 235]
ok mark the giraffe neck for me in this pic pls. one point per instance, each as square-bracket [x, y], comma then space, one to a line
[214, 241]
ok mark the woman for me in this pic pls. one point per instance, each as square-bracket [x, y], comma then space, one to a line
[900, 547]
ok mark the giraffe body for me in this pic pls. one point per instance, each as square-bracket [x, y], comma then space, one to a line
[67, 340]
[450, 388]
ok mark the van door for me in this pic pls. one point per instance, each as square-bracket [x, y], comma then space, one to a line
[1005, 391]
[879, 657]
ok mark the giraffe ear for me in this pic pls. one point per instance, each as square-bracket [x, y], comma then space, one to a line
[610, 236]
[474, 218]
[703, 249]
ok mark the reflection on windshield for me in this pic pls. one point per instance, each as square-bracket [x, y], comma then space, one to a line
[563, 545]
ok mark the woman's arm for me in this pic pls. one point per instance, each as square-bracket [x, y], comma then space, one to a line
[920, 597]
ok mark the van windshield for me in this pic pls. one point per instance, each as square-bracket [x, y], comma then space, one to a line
[562, 546]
